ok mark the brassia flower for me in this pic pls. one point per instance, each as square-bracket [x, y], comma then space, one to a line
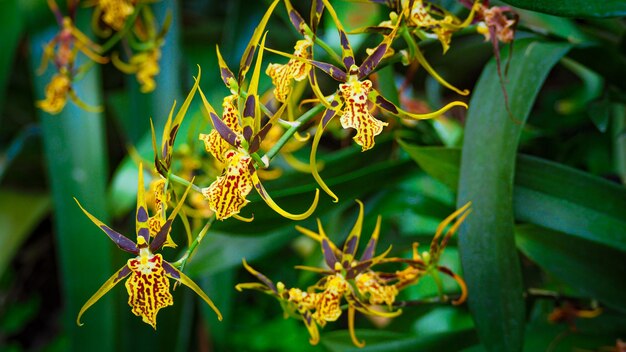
[147, 285]
[62, 51]
[428, 262]
[350, 278]
[144, 64]
[237, 136]
[353, 95]
[113, 14]
[296, 70]
[295, 302]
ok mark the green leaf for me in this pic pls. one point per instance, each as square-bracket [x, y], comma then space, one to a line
[382, 341]
[19, 214]
[486, 240]
[542, 188]
[592, 269]
[11, 29]
[574, 8]
[75, 154]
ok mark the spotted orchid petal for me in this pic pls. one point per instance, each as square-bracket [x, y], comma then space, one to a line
[157, 221]
[283, 74]
[270, 202]
[213, 142]
[248, 54]
[330, 69]
[177, 275]
[371, 62]
[106, 287]
[391, 108]
[227, 194]
[356, 113]
[121, 241]
[163, 235]
[148, 287]
[220, 126]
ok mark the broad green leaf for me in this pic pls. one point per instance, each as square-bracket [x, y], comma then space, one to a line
[547, 194]
[75, 153]
[19, 214]
[486, 240]
[11, 29]
[383, 341]
[574, 8]
[592, 269]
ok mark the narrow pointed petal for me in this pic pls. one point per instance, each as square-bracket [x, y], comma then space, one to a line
[226, 74]
[422, 60]
[268, 200]
[220, 126]
[248, 54]
[256, 73]
[172, 127]
[330, 69]
[317, 8]
[254, 286]
[307, 318]
[183, 279]
[370, 249]
[313, 163]
[267, 282]
[372, 61]
[120, 240]
[160, 238]
[459, 281]
[365, 309]
[106, 287]
[142, 226]
[355, 341]
[346, 50]
[352, 242]
[296, 19]
[460, 215]
[390, 107]
[314, 269]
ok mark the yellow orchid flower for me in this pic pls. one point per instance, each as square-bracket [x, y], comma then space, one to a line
[148, 274]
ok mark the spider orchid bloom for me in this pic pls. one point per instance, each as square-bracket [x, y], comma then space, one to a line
[282, 75]
[349, 278]
[428, 262]
[163, 156]
[57, 92]
[236, 138]
[113, 14]
[147, 285]
[66, 44]
[353, 95]
[295, 302]
[145, 64]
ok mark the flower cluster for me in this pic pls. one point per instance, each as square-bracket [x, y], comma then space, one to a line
[239, 146]
[130, 21]
[358, 282]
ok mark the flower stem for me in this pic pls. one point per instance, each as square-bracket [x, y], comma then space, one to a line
[183, 182]
[180, 264]
[304, 118]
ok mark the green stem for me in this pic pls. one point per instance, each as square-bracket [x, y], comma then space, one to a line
[183, 182]
[304, 118]
[180, 264]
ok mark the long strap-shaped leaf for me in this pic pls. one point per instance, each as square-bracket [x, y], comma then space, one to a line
[488, 254]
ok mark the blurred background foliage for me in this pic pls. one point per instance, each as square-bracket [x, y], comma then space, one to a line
[545, 242]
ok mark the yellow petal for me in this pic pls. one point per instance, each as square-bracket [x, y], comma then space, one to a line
[185, 280]
[268, 200]
[106, 287]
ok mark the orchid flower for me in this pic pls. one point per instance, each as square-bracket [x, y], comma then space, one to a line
[113, 14]
[237, 136]
[295, 302]
[428, 262]
[353, 94]
[147, 285]
[144, 64]
[62, 51]
[350, 278]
